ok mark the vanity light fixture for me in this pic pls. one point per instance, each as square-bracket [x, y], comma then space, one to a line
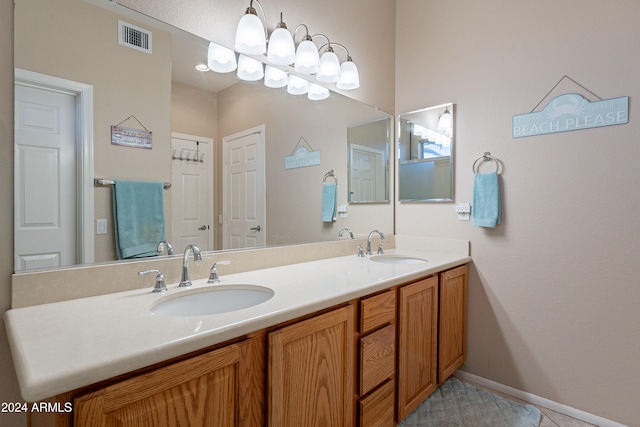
[297, 85]
[317, 92]
[349, 77]
[275, 77]
[249, 69]
[307, 58]
[281, 49]
[329, 69]
[250, 33]
[444, 122]
[221, 59]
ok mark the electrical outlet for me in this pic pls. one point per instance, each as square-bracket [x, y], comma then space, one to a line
[464, 211]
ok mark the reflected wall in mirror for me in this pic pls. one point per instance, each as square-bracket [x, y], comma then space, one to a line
[368, 161]
[425, 155]
[187, 111]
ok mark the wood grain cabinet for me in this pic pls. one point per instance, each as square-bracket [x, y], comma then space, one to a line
[311, 368]
[452, 335]
[377, 360]
[213, 389]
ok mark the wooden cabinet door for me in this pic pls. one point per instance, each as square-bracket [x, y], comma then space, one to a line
[452, 347]
[207, 390]
[417, 343]
[311, 372]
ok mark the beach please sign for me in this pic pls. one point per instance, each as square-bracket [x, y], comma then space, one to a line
[571, 112]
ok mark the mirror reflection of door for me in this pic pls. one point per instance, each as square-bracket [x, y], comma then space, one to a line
[367, 174]
[244, 204]
[191, 192]
[50, 172]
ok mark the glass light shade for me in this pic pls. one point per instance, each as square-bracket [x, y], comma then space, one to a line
[297, 85]
[317, 92]
[221, 59]
[249, 69]
[250, 35]
[275, 77]
[444, 122]
[307, 58]
[329, 70]
[281, 49]
[349, 77]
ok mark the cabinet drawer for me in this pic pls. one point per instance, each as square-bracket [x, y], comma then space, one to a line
[377, 358]
[377, 409]
[377, 310]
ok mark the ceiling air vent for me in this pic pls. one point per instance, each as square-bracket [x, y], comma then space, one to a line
[134, 37]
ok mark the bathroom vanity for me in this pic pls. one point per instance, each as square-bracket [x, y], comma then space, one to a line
[343, 341]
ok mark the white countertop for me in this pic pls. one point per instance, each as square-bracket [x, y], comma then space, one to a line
[59, 347]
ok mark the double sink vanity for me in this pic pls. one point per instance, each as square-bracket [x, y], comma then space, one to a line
[334, 339]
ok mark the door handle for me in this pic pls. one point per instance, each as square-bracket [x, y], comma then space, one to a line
[202, 227]
[258, 228]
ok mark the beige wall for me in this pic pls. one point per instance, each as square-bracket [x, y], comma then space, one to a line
[553, 295]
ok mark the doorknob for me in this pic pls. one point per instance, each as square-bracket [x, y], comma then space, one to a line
[258, 228]
[202, 227]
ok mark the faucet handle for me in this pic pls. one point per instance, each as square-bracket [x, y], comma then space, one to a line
[360, 251]
[160, 284]
[213, 276]
[380, 251]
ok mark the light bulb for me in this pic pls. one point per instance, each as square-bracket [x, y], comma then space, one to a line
[349, 77]
[250, 35]
[281, 49]
[307, 58]
[275, 77]
[249, 69]
[221, 59]
[329, 70]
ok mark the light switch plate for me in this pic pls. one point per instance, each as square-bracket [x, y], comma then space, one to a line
[101, 226]
[464, 211]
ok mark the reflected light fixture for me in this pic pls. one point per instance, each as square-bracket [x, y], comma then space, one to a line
[251, 34]
[317, 92]
[281, 49]
[249, 69]
[329, 69]
[221, 59]
[297, 85]
[275, 77]
[202, 67]
[444, 122]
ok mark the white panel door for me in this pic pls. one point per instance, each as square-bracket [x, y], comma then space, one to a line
[244, 209]
[192, 192]
[45, 178]
[367, 174]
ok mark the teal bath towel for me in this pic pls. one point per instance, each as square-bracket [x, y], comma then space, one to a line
[138, 211]
[486, 200]
[329, 202]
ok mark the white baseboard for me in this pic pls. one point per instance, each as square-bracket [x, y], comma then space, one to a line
[540, 401]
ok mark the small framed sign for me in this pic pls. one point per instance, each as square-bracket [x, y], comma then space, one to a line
[130, 137]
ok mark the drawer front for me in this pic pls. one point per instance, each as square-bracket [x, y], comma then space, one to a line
[377, 310]
[377, 358]
[377, 409]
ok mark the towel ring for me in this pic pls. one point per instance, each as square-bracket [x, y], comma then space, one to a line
[329, 174]
[486, 157]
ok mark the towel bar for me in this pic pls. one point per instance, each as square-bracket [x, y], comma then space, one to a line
[101, 181]
[330, 174]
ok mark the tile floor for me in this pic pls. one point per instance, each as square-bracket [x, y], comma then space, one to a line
[549, 418]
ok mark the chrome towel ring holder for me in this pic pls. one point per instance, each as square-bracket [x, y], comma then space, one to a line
[486, 157]
[330, 174]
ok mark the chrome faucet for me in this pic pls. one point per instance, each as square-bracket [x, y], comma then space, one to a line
[213, 275]
[185, 281]
[165, 244]
[380, 251]
[347, 230]
[160, 285]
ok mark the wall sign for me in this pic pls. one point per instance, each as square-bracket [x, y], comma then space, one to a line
[130, 137]
[571, 112]
[302, 156]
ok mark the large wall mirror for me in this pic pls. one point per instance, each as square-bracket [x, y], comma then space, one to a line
[193, 116]
[425, 155]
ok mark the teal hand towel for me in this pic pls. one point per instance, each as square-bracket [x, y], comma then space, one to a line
[138, 210]
[329, 202]
[486, 200]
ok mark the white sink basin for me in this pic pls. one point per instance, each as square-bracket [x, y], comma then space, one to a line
[397, 259]
[212, 300]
